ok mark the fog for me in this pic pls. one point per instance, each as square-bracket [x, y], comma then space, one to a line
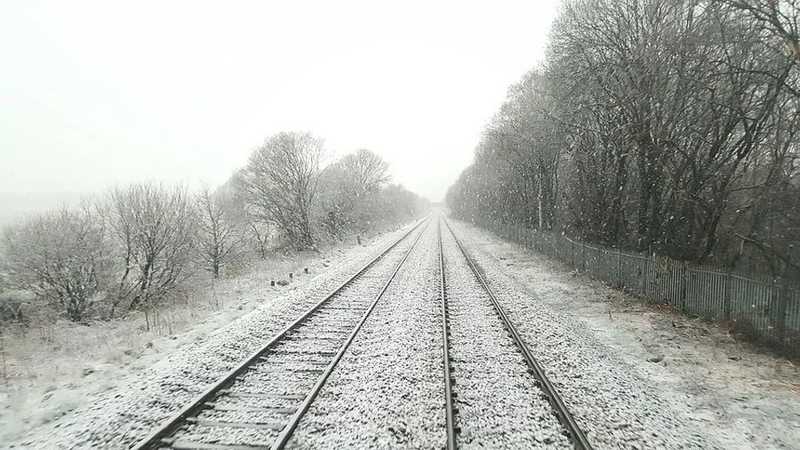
[95, 94]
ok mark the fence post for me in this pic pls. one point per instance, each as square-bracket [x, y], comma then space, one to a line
[684, 282]
[780, 313]
[726, 299]
[572, 251]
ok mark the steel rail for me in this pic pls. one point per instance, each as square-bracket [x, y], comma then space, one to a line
[287, 432]
[448, 378]
[171, 425]
[574, 432]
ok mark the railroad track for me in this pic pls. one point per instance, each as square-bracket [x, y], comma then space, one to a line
[260, 402]
[565, 418]
[449, 395]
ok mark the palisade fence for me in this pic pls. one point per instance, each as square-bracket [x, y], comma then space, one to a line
[764, 310]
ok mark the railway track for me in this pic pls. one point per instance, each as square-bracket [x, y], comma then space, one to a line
[449, 395]
[259, 403]
[559, 409]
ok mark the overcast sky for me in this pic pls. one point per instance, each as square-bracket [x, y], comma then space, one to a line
[94, 94]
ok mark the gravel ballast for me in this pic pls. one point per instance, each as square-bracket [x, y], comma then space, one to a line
[499, 404]
[120, 418]
[614, 407]
[254, 402]
[388, 390]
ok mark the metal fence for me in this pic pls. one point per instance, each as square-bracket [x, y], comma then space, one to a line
[764, 310]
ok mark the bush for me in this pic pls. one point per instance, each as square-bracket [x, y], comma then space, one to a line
[155, 231]
[13, 305]
[62, 258]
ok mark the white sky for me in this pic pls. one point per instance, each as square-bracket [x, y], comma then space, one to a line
[94, 94]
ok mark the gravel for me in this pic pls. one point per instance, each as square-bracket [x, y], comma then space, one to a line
[258, 401]
[612, 404]
[387, 390]
[499, 405]
[120, 418]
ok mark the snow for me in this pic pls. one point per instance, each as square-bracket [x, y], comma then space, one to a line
[634, 376]
[387, 391]
[115, 406]
[498, 401]
[286, 370]
[714, 390]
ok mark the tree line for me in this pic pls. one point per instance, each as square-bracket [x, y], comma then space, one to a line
[658, 126]
[134, 248]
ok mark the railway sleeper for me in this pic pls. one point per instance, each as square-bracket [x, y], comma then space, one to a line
[277, 409]
[183, 444]
[222, 424]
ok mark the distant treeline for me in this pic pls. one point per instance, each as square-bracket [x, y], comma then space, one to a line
[136, 246]
[669, 127]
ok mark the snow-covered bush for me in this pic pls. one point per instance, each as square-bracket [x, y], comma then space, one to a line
[62, 258]
[154, 229]
[220, 236]
[355, 196]
[279, 184]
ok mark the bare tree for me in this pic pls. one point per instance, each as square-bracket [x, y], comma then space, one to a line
[63, 258]
[252, 230]
[280, 184]
[367, 171]
[780, 18]
[657, 126]
[155, 230]
[348, 191]
[218, 234]
[261, 234]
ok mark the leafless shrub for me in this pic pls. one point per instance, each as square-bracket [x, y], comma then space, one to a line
[354, 195]
[261, 235]
[219, 237]
[280, 184]
[155, 230]
[62, 258]
[347, 187]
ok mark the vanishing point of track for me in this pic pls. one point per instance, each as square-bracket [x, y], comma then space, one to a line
[304, 354]
[571, 428]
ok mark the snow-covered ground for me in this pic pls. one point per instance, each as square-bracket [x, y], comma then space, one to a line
[711, 389]
[53, 369]
[112, 403]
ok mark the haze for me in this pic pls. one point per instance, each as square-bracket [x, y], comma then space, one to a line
[94, 94]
